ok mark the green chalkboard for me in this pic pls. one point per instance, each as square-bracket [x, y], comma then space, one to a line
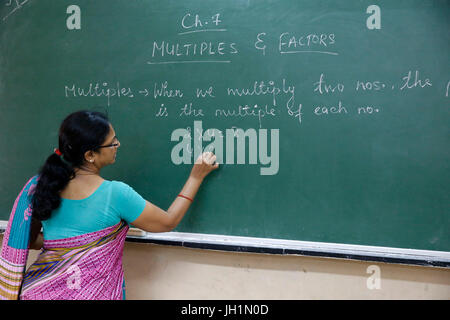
[331, 117]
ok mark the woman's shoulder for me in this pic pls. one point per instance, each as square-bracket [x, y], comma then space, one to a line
[115, 183]
[118, 185]
[121, 190]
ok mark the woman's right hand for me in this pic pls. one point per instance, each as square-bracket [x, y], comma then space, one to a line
[154, 219]
[204, 164]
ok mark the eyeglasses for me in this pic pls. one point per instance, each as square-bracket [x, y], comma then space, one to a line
[112, 145]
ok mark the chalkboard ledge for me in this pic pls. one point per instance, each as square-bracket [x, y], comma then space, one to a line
[294, 247]
[289, 247]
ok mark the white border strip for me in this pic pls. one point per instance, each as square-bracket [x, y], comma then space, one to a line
[295, 245]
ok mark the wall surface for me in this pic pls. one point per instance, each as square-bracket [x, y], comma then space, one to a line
[167, 272]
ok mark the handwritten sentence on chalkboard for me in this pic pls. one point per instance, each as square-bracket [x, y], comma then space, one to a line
[268, 99]
[279, 96]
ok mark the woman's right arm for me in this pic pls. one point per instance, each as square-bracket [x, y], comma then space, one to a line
[155, 219]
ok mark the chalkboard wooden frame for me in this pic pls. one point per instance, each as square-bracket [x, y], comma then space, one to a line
[289, 247]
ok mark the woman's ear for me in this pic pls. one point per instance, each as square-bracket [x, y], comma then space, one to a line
[89, 156]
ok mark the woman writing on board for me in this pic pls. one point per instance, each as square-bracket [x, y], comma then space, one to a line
[84, 217]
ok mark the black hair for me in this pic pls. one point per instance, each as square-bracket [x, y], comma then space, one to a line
[80, 132]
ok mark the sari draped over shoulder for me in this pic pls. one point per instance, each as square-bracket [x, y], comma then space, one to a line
[85, 267]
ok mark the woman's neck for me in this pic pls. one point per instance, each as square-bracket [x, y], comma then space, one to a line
[87, 171]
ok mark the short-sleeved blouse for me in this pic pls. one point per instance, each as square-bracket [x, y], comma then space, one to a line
[111, 202]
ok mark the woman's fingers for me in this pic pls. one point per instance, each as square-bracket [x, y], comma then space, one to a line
[208, 158]
[204, 164]
[205, 157]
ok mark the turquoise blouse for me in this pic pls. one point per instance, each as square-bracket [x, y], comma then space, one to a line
[111, 202]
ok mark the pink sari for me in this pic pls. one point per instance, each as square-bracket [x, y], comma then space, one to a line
[82, 267]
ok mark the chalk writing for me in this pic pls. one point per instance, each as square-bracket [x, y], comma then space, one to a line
[15, 5]
[264, 88]
[188, 110]
[259, 43]
[323, 110]
[247, 111]
[322, 87]
[187, 61]
[162, 111]
[190, 21]
[98, 90]
[410, 82]
[166, 49]
[289, 44]
[367, 110]
[205, 93]
[369, 85]
[161, 90]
